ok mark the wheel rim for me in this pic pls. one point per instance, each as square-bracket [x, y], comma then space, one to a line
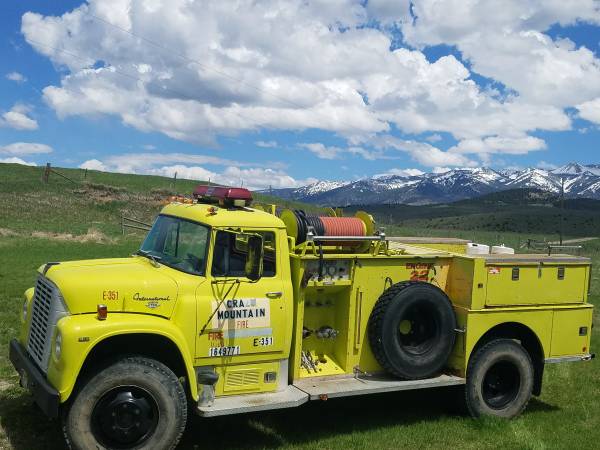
[501, 384]
[418, 330]
[124, 417]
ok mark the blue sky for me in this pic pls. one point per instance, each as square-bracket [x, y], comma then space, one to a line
[285, 95]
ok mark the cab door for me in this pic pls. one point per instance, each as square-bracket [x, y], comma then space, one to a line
[238, 318]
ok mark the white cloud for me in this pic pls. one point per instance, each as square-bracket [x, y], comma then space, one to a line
[332, 152]
[209, 71]
[422, 152]
[188, 172]
[370, 155]
[322, 151]
[266, 144]
[94, 164]
[15, 160]
[590, 110]
[401, 173]
[17, 118]
[16, 77]
[507, 44]
[496, 144]
[434, 138]
[25, 148]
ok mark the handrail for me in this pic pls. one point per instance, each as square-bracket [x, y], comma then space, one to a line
[311, 236]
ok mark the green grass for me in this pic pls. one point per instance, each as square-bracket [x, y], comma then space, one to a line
[564, 416]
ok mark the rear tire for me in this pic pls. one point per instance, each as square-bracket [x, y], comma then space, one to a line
[135, 403]
[499, 380]
[411, 330]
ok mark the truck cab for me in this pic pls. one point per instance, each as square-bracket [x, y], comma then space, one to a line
[234, 309]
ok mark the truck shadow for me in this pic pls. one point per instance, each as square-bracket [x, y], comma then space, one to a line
[321, 420]
[24, 424]
[27, 428]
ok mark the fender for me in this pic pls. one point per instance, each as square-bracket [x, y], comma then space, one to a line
[538, 322]
[81, 333]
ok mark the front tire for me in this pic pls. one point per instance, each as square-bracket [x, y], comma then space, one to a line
[499, 380]
[135, 403]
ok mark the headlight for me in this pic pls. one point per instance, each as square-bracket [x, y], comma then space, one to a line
[25, 306]
[57, 344]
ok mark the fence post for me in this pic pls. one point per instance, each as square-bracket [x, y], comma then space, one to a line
[46, 173]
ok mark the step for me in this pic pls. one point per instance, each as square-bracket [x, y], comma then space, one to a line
[322, 388]
[237, 404]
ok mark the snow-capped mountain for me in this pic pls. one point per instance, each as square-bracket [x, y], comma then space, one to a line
[577, 169]
[577, 180]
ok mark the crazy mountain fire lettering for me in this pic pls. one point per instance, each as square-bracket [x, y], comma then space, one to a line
[243, 313]
[241, 309]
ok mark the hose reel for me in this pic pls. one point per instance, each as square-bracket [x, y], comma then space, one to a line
[298, 222]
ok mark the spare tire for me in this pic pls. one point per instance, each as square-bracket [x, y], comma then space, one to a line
[412, 330]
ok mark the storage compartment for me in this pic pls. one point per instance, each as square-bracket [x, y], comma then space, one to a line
[571, 332]
[323, 315]
[325, 330]
[535, 279]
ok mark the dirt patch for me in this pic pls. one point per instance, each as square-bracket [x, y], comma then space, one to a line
[4, 385]
[102, 193]
[92, 235]
[5, 232]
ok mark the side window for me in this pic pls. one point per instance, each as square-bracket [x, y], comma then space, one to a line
[231, 250]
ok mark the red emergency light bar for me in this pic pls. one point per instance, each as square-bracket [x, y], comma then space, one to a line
[223, 195]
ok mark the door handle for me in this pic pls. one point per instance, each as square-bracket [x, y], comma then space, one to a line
[275, 294]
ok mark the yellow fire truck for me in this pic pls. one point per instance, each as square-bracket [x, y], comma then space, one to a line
[231, 309]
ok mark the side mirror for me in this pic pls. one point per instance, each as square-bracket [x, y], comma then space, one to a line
[254, 260]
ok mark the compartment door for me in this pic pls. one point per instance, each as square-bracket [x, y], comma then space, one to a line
[535, 284]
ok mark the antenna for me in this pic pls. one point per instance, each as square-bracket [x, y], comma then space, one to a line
[562, 207]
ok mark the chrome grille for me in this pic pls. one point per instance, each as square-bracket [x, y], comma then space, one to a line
[47, 308]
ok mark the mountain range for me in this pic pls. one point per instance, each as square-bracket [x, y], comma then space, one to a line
[578, 181]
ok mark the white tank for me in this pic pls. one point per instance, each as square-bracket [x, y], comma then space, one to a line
[477, 249]
[502, 250]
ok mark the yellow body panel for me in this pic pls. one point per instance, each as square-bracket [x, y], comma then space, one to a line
[247, 378]
[80, 333]
[249, 354]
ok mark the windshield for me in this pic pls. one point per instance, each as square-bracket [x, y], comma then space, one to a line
[177, 243]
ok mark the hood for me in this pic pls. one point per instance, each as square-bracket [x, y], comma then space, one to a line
[122, 284]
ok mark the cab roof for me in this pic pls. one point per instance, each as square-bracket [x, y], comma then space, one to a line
[223, 217]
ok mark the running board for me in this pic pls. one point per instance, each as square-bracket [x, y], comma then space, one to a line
[319, 389]
[324, 388]
[237, 404]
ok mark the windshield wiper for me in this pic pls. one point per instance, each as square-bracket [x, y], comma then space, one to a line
[147, 254]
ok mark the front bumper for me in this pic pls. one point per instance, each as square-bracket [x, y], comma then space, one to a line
[33, 379]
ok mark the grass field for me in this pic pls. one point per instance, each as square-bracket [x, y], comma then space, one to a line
[521, 211]
[34, 222]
